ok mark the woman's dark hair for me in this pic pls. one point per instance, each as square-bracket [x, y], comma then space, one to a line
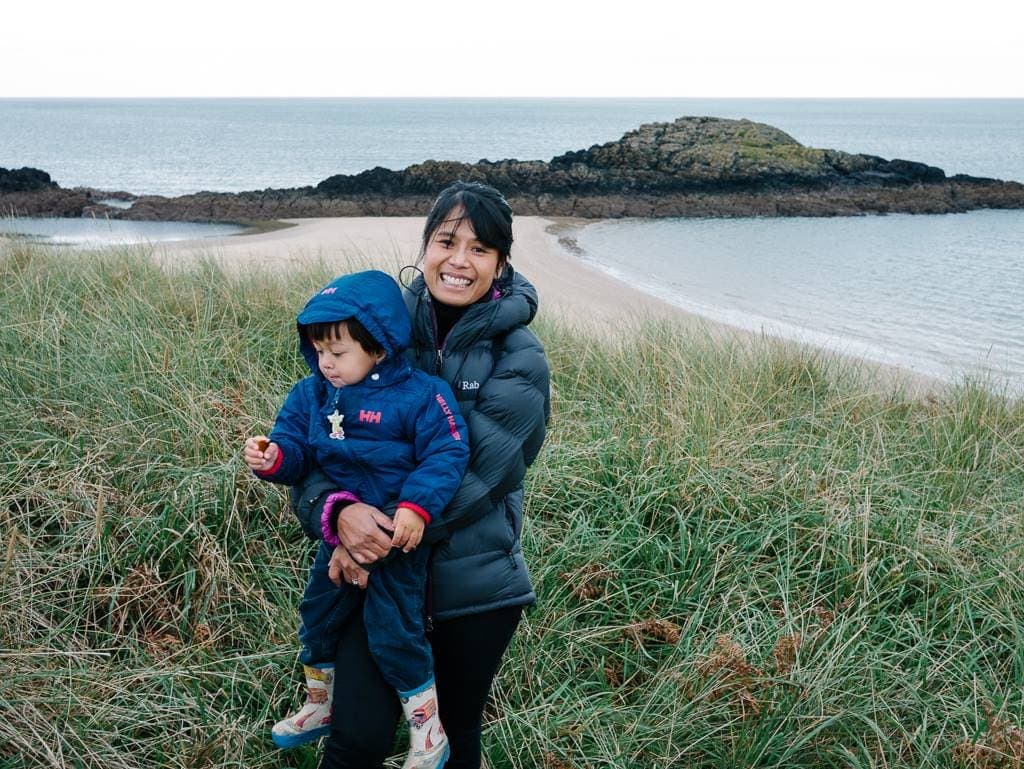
[324, 332]
[488, 213]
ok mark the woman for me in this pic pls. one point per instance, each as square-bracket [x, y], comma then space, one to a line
[469, 313]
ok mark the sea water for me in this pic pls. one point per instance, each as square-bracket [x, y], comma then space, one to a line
[942, 295]
[939, 294]
[100, 232]
[176, 146]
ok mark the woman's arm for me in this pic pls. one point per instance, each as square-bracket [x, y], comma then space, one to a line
[506, 429]
[358, 525]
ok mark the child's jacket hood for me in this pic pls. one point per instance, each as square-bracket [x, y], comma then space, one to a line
[371, 297]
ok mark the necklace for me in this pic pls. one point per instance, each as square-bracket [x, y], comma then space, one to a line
[336, 419]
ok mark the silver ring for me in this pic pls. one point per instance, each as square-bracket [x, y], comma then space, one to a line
[355, 582]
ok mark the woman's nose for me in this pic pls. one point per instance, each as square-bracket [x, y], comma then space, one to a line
[458, 256]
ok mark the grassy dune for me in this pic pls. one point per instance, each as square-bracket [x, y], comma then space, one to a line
[744, 556]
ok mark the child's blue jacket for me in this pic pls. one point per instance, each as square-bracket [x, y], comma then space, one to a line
[402, 437]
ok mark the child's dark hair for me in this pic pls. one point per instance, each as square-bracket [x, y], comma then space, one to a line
[324, 332]
[485, 208]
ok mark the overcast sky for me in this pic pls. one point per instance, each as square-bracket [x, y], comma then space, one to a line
[522, 48]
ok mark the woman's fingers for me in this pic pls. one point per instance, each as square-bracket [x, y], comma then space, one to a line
[360, 533]
[343, 570]
[382, 520]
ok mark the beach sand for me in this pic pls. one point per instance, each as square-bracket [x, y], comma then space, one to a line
[544, 250]
[569, 288]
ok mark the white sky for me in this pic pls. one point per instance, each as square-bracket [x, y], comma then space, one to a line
[907, 48]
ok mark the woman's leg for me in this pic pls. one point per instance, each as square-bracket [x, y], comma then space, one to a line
[366, 708]
[467, 653]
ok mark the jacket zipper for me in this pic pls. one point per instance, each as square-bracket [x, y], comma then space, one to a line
[439, 348]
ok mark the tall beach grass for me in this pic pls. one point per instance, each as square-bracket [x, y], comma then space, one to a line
[744, 555]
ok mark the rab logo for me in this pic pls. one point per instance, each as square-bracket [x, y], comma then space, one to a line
[373, 417]
[470, 385]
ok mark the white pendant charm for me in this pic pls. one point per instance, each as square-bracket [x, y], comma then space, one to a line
[336, 419]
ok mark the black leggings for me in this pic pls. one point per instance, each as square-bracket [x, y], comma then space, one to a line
[467, 653]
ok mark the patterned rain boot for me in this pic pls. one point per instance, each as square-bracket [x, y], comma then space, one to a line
[428, 744]
[314, 720]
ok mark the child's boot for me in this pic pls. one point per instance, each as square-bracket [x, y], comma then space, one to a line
[428, 744]
[314, 720]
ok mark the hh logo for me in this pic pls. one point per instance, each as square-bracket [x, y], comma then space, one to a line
[372, 417]
[328, 291]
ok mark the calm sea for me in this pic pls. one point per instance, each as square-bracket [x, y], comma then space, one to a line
[174, 146]
[941, 294]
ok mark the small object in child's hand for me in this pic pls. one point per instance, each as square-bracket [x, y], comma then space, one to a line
[263, 444]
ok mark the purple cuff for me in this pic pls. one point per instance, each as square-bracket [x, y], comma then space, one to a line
[327, 518]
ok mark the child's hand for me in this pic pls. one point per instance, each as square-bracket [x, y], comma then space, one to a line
[408, 529]
[257, 459]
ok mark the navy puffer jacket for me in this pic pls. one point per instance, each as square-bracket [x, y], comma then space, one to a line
[498, 371]
[398, 439]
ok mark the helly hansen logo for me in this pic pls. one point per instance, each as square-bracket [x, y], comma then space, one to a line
[328, 291]
[373, 417]
[470, 385]
[446, 409]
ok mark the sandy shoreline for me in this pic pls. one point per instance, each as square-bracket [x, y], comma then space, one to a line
[569, 288]
[544, 250]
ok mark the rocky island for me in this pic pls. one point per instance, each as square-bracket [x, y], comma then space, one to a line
[693, 166]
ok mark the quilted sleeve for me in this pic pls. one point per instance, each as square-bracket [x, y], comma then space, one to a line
[506, 430]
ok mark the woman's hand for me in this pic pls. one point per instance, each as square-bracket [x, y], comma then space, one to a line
[342, 567]
[359, 529]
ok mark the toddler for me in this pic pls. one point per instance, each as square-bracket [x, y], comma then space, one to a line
[389, 435]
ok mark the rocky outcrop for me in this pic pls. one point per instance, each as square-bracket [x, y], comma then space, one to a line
[24, 180]
[694, 166]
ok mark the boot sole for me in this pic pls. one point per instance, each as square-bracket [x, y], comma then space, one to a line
[287, 741]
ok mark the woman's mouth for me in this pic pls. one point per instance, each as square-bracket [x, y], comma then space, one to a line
[454, 281]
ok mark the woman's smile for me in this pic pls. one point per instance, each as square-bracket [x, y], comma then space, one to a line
[457, 267]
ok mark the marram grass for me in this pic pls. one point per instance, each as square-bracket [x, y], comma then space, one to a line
[744, 555]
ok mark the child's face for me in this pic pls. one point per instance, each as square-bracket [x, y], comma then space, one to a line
[342, 361]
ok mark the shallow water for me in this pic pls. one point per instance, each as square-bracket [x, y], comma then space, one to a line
[110, 232]
[942, 295]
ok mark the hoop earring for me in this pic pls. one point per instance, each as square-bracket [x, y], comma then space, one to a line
[402, 273]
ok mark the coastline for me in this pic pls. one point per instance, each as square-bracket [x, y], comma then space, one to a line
[572, 290]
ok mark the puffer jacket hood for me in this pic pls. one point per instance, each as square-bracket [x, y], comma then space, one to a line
[371, 297]
[514, 304]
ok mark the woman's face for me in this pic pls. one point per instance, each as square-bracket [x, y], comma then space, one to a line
[458, 268]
